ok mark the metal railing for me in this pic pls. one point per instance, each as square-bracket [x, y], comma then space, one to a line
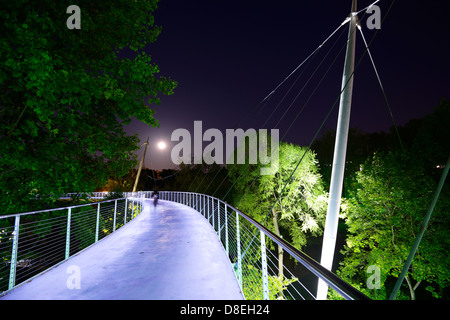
[33, 242]
[91, 195]
[252, 250]
[100, 194]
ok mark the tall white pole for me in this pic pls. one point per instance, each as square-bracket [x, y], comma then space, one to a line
[140, 167]
[340, 150]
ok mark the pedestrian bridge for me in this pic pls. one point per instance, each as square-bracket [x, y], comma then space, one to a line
[189, 246]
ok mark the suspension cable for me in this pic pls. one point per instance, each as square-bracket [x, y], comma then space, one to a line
[295, 70]
[264, 101]
[381, 86]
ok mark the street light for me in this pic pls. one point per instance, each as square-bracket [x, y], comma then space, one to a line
[140, 166]
[161, 145]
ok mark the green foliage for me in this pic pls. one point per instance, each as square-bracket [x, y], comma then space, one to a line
[253, 287]
[65, 95]
[385, 215]
[300, 198]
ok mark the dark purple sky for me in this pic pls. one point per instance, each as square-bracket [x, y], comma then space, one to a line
[228, 55]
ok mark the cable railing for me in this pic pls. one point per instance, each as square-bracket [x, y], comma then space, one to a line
[33, 242]
[257, 254]
[90, 195]
[266, 266]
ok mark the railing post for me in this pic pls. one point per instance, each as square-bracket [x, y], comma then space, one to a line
[69, 215]
[97, 222]
[218, 222]
[126, 212]
[213, 220]
[208, 216]
[15, 246]
[138, 205]
[238, 244]
[115, 213]
[265, 278]
[226, 226]
[204, 205]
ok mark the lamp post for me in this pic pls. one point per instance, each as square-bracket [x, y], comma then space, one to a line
[140, 166]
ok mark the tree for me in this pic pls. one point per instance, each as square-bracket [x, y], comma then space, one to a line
[211, 179]
[65, 95]
[360, 146]
[296, 205]
[432, 140]
[385, 215]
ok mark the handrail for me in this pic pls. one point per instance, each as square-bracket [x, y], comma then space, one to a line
[343, 288]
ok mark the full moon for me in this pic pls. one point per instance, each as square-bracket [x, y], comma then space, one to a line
[161, 145]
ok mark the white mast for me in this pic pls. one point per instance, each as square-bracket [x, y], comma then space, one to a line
[340, 150]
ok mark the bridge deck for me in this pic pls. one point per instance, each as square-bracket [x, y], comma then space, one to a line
[170, 252]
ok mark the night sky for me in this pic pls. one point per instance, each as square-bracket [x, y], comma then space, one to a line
[227, 56]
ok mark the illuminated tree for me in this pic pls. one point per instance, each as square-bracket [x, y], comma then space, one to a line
[385, 215]
[300, 200]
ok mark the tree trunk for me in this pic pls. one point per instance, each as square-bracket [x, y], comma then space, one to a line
[280, 249]
[412, 290]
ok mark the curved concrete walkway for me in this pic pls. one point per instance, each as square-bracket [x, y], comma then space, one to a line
[168, 252]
